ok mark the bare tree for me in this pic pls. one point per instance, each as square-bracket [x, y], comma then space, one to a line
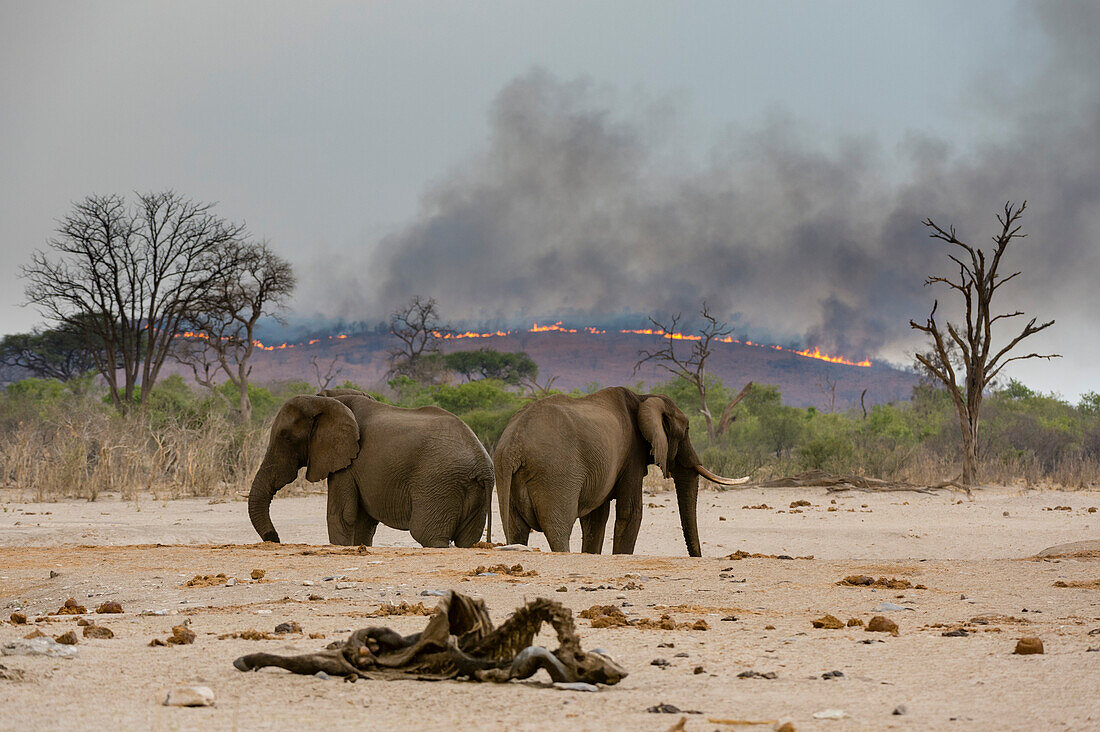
[126, 277]
[417, 327]
[330, 373]
[691, 367]
[255, 282]
[535, 389]
[978, 281]
[827, 386]
[728, 416]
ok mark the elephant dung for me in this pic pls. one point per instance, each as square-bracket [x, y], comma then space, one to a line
[71, 607]
[111, 606]
[1028, 645]
[829, 622]
[98, 631]
[882, 624]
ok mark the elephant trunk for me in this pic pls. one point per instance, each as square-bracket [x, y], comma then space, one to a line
[269, 479]
[687, 496]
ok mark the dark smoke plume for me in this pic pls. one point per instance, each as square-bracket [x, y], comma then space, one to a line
[580, 209]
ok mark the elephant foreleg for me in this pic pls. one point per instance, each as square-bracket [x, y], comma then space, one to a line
[593, 526]
[628, 514]
[349, 524]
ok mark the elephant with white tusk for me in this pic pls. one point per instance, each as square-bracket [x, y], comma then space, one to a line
[417, 470]
[561, 458]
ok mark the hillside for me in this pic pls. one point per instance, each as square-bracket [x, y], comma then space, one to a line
[579, 359]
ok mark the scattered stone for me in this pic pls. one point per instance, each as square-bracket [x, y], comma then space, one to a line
[609, 616]
[517, 548]
[68, 638]
[156, 642]
[1004, 513]
[190, 696]
[82, 622]
[829, 622]
[54, 574]
[880, 624]
[769, 627]
[288, 627]
[798, 503]
[18, 619]
[322, 676]
[750, 674]
[516, 570]
[387, 609]
[433, 593]
[833, 675]
[258, 574]
[1083, 584]
[699, 670]
[315, 598]
[670, 709]
[251, 634]
[890, 607]
[10, 674]
[830, 714]
[956, 633]
[36, 633]
[900, 710]
[730, 619]
[181, 636]
[1028, 645]
[316, 635]
[563, 588]
[111, 606]
[207, 580]
[308, 583]
[71, 607]
[332, 577]
[98, 631]
[862, 580]
[785, 727]
[39, 646]
[632, 585]
[575, 686]
[854, 623]
[345, 585]
[666, 645]
[661, 662]
[739, 554]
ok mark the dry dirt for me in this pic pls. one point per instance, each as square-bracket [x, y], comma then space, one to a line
[974, 561]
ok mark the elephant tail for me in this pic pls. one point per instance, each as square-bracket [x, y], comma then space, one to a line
[504, 470]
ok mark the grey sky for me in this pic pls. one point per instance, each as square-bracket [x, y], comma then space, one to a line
[333, 127]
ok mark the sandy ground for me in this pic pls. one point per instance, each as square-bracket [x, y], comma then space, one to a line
[976, 558]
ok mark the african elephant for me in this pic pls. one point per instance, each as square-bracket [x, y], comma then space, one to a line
[562, 458]
[420, 470]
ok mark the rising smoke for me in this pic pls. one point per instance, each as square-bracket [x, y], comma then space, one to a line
[580, 208]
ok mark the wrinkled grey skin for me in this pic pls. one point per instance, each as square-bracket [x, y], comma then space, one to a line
[417, 470]
[560, 459]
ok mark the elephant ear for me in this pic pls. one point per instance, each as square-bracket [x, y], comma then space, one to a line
[651, 423]
[333, 439]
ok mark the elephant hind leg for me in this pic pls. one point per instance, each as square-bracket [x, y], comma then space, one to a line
[593, 525]
[519, 531]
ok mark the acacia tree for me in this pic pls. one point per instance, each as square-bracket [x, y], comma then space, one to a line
[53, 353]
[968, 348]
[416, 325]
[691, 367]
[126, 278]
[255, 282]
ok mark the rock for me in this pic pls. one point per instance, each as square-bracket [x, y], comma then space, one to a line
[98, 631]
[322, 675]
[82, 622]
[10, 674]
[433, 593]
[575, 686]
[181, 636]
[827, 621]
[880, 624]
[956, 633]
[156, 642]
[71, 607]
[231, 582]
[41, 646]
[258, 574]
[68, 638]
[308, 583]
[288, 627]
[664, 709]
[18, 619]
[858, 579]
[333, 577]
[796, 504]
[699, 670]
[855, 623]
[730, 619]
[681, 654]
[785, 727]
[111, 606]
[563, 588]
[900, 710]
[315, 598]
[750, 674]
[316, 635]
[36, 633]
[516, 548]
[345, 585]
[190, 696]
[54, 574]
[1028, 645]
[890, 607]
[830, 714]
[661, 662]
[769, 627]
[1004, 513]
[833, 675]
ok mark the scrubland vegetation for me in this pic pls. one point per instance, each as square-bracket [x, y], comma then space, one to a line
[65, 439]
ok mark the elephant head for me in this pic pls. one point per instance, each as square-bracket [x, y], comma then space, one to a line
[318, 432]
[665, 427]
